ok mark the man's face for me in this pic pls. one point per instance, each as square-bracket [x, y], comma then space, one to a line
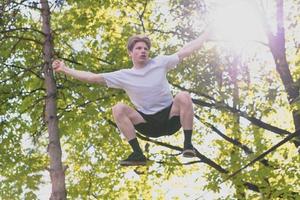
[139, 53]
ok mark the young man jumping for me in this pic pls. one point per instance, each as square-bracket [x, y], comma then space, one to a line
[156, 112]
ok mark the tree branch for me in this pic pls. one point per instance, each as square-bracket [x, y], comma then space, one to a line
[23, 38]
[27, 69]
[235, 142]
[259, 157]
[202, 158]
[218, 104]
[21, 29]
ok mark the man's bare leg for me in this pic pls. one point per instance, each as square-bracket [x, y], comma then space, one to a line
[125, 118]
[183, 107]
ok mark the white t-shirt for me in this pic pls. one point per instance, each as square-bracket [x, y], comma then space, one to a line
[148, 87]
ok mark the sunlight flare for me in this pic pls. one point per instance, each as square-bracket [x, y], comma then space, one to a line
[237, 23]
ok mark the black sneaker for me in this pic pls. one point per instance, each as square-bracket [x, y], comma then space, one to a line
[189, 152]
[134, 159]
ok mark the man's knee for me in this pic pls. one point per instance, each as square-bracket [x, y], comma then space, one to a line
[118, 110]
[184, 97]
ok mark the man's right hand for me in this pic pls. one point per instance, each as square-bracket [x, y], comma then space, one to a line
[58, 66]
[89, 77]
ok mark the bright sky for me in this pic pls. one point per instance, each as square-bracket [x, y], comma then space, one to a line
[238, 22]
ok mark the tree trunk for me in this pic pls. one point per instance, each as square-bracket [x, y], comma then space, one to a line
[277, 46]
[54, 149]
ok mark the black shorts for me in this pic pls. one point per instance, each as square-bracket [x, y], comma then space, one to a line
[159, 124]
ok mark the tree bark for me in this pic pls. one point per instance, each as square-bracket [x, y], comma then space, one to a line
[277, 47]
[56, 170]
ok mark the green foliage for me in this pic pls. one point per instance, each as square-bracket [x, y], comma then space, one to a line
[92, 147]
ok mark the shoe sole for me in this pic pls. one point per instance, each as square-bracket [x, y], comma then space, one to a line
[137, 163]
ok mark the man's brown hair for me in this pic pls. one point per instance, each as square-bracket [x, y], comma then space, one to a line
[138, 38]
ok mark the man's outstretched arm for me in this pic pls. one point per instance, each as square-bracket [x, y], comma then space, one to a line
[194, 45]
[89, 77]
